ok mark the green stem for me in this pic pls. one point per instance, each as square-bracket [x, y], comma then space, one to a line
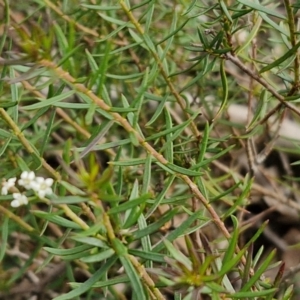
[292, 27]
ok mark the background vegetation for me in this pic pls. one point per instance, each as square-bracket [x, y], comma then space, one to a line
[170, 129]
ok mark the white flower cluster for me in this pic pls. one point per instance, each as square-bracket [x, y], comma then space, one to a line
[29, 181]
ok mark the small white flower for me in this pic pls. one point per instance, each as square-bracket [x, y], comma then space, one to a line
[19, 200]
[27, 179]
[43, 186]
[6, 185]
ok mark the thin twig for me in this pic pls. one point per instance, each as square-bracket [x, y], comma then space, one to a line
[80, 27]
[264, 83]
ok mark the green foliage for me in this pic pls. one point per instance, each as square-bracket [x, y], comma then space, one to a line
[125, 105]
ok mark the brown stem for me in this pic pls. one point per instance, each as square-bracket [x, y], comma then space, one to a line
[264, 83]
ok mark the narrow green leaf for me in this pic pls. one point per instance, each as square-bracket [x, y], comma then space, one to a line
[152, 256]
[125, 77]
[103, 129]
[138, 39]
[63, 252]
[69, 200]
[50, 101]
[5, 145]
[278, 61]
[169, 130]
[129, 204]
[129, 162]
[225, 89]
[92, 231]
[164, 167]
[251, 36]
[246, 272]
[288, 293]
[90, 241]
[61, 38]
[260, 111]
[6, 134]
[256, 276]
[139, 4]
[203, 143]
[239, 201]
[158, 110]
[149, 16]
[227, 192]
[207, 66]
[56, 219]
[100, 7]
[261, 8]
[69, 54]
[87, 100]
[145, 240]
[138, 101]
[161, 195]
[154, 227]
[7, 104]
[213, 158]
[6, 23]
[131, 215]
[253, 294]
[232, 242]
[229, 265]
[177, 255]
[149, 43]
[180, 230]
[258, 256]
[216, 287]
[102, 71]
[203, 38]
[119, 247]
[202, 186]
[90, 282]
[4, 236]
[67, 159]
[272, 23]
[225, 10]
[91, 61]
[178, 132]
[115, 21]
[104, 283]
[182, 170]
[131, 119]
[173, 29]
[217, 40]
[108, 145]
[133, 277]
[36, 116]
[98, 257]
[108, 37]
[48, 132]
[147, 174]
[123, 110]
[169, 142]
[72, 189]
[190, 8]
